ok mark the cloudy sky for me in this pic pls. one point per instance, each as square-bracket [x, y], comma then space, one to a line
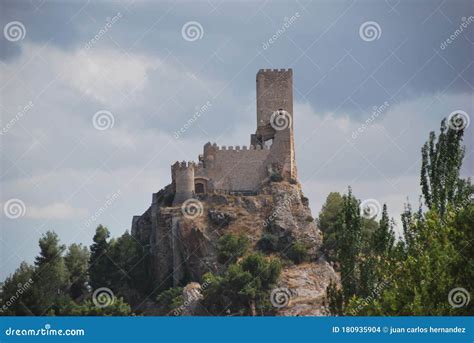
[92, 93]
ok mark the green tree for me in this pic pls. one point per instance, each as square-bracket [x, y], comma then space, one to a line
[230, 247]
[16, 293]
[244, 287]
[51, 280]
[440, 169]
[100, 264]
[383, 238]
[327, 222]
[77, 264]
[129, 266]
[348, 233]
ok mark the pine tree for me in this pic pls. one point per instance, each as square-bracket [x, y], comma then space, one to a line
[100, 264]
[51, 280]
[77, 264]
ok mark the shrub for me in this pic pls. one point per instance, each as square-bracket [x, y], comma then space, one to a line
[298, 252]
[268, 243]
[231, 247]
[309, 219]
[244, 286]
[170, 299]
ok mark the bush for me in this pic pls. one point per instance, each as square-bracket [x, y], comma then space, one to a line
[268, 243]
[231, 247]
[244, 286]
[170, 299]
[309, 219]
[298, 252]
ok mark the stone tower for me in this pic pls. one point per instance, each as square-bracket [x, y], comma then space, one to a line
[275, 118]
[182, 174]
[274, 92]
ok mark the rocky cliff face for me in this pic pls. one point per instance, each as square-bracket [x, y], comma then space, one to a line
[183, 243]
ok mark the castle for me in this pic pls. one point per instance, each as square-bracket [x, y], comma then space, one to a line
[241, 170]
[235, 190]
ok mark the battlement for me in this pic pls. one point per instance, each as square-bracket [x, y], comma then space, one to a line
[183, 165]
[243, 148]
[275, 71]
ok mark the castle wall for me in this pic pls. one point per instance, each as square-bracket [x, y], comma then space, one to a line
[234, 168]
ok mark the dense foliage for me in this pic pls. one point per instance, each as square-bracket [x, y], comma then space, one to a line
[429, 271]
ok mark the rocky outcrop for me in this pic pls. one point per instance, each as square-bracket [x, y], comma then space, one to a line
[183, 243]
